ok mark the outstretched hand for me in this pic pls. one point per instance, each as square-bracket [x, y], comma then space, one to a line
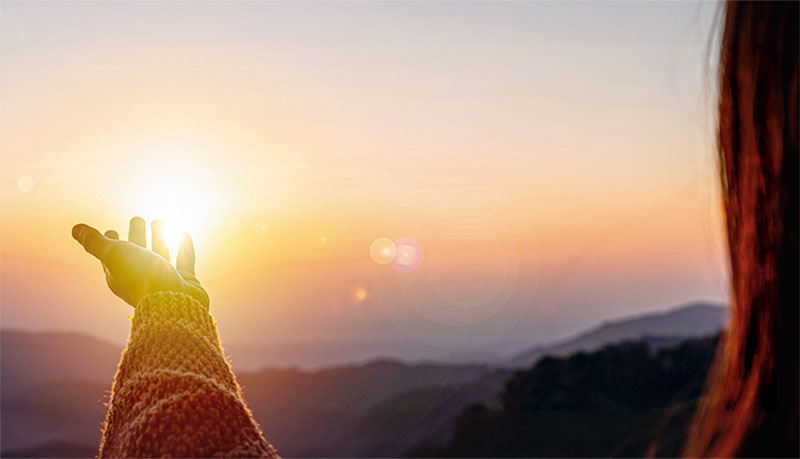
[132, 271]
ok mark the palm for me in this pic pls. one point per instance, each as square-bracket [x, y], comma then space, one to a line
[133, 271]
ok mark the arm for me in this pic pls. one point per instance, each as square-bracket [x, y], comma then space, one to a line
[174, 393]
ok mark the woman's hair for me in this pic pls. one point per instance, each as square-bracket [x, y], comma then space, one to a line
[751, 403]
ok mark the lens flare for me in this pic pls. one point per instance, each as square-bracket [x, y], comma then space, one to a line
[409, 255]
[25, 184]
[382, 250]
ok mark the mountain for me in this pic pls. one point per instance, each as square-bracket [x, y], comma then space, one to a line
[55, 449]
[397, 424]
[31, 358]
[54, 386]
[621, 401]
[695, 320]
[366, 410]
[53, 414]
[51, 405]
[319, 355]
[699, 319]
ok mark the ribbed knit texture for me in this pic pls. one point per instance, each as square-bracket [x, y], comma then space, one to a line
[174, 394]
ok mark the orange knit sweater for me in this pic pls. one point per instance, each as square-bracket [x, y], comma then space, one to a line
[174, 394]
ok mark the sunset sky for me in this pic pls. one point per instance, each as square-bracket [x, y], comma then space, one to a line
[554, 161]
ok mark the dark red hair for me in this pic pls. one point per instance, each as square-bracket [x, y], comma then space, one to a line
[751, 405]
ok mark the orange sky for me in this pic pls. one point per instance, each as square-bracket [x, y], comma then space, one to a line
[554, 162]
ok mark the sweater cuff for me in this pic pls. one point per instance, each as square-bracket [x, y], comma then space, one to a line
[162, 307]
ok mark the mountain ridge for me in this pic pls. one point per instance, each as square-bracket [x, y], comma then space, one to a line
[54, 385]
[688, 321]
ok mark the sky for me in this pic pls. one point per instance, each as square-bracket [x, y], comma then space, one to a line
[554, 161]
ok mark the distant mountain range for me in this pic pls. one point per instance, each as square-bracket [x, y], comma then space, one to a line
[694, 320]
[30, 358]
[54, 385]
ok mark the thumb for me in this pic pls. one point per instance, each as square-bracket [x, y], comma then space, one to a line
[92, 241]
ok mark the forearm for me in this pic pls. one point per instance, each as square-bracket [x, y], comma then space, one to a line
[174, 392]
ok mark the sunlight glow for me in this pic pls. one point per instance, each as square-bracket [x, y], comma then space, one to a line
[173, 235]
[179, 200]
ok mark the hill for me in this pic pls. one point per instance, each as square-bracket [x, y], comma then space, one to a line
[306, 413]
[621, 401]
[54, 386]
[378, 409]
[692, 321]
[31, 358]
[55, 449]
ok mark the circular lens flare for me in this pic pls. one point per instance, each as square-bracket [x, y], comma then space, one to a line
[25, 184]
[382, 250]
[409, 255]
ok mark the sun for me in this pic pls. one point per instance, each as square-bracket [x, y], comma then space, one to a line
[173, 235]
[182, 201]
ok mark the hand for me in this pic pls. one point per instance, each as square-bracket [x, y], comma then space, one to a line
[132, 271]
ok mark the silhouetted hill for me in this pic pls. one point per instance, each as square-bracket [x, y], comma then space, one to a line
[622, 401]
[320, 355]
[306, 413]
[53, 413]
[353, 387]
[400, 422]
[326, 412]
[696, 320]
[55, 449]
[54, 386]
[29, 358]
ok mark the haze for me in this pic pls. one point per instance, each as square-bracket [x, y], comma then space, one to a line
[554, 160]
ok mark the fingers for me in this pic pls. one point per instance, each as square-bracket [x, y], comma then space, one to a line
[114, 236]
[137, 231]
[92, 241]
[185, 260]
[159, 243]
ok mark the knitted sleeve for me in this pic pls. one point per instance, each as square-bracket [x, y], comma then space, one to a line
[174, 394]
